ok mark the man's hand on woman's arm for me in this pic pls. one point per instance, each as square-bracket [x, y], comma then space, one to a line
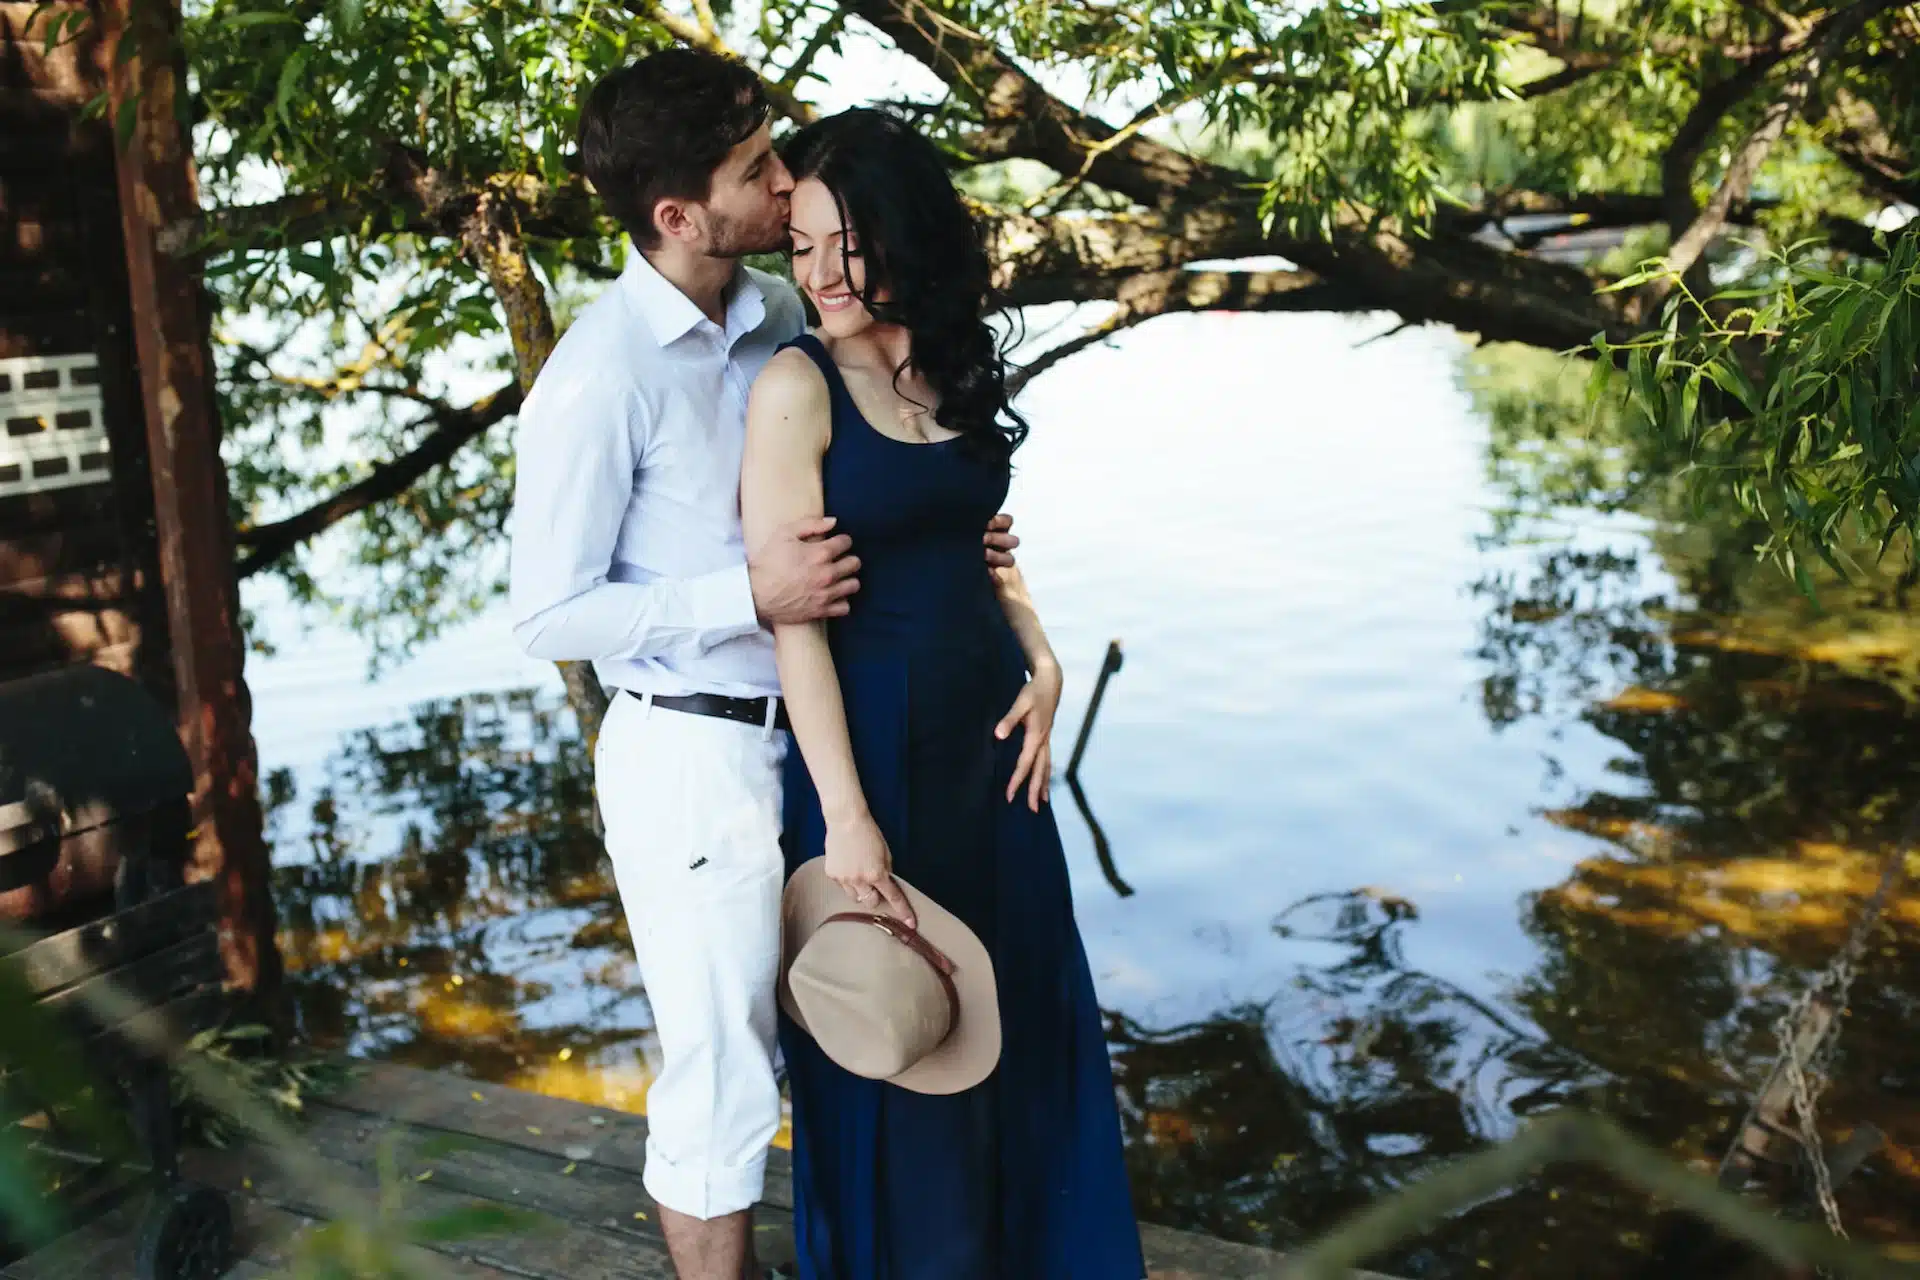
[800, 574]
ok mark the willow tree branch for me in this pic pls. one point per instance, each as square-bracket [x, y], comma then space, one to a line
[1715, 101]
[1022, 117]
[1864, 144]
[1071, 257]
[1683, 152]
[294, 219]
[1161, 293]
[491, 239]
[1579, 67]
[1555, 29]
[544, 211]
[703, 13]
[702, 34]
[1856, 238]
[1692, 242]
[823, 35]
[1122, 319]
[267, 544]
[1585, 211]
[1448, 279]
[1828, 37]
[1565, 78]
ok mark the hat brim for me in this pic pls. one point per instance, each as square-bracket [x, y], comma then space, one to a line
[972, 1048]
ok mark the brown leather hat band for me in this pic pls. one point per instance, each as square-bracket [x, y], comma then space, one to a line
[898, 930]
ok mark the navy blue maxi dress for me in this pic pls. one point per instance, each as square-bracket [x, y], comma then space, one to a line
[1021, 1177]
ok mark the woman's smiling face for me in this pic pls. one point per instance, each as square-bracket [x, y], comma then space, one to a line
[827, 261]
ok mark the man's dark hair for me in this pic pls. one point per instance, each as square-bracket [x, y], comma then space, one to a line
[657, 129]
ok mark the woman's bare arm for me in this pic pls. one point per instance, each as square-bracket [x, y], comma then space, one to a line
[1039, 699]
[789, 423]
[1016, 601]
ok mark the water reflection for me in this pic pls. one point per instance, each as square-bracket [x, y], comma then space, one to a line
[436, 922]
[446, 904]
[1765, 753]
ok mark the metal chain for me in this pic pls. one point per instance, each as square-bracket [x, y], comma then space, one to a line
[1808, 1079]
[1806, 1094]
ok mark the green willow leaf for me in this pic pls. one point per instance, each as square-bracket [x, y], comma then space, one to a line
[1598, 380]
[125, 121]
[1730, 378]
[289, 85]
[27, 1212]
[478, 1218]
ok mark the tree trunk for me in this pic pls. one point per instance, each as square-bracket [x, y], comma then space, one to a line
[490, 237]
[154, 165]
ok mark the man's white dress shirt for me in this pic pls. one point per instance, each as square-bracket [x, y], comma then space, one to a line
[626, 537]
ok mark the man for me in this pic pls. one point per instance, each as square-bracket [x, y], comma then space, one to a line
[627, 551]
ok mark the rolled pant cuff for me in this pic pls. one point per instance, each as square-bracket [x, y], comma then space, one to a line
[703, 1193]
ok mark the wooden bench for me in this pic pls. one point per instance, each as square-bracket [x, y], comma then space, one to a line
[163, 957]
[117, 957]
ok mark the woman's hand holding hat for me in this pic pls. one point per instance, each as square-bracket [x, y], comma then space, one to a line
[859, 861]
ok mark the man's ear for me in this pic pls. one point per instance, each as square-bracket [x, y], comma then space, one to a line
[674, 220]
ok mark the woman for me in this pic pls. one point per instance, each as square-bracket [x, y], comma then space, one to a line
[923, 719]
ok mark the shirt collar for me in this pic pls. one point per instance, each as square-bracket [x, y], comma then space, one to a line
[746, 305]
[671, 314]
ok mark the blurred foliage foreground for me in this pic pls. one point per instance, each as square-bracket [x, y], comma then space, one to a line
[380, 1239]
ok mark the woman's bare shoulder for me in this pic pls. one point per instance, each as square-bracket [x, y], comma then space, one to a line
[791, 380]
[791, 401]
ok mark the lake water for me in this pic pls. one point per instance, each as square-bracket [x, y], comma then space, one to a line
[1431, 819]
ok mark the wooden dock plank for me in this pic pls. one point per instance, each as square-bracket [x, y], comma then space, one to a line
[549, 1249]
[439, 1100]
[574, 1131]
[573, 1168]
[572, 1190]
[1182, 1255]
[571, 1187]
[270, 1247]
[607, 1146]
[104, 1248]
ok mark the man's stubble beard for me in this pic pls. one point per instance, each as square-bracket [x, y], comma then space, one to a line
[728, 240]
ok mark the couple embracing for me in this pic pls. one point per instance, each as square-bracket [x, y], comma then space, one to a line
[824, 772]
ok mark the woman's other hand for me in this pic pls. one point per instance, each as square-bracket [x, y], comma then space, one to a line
[1033, 711]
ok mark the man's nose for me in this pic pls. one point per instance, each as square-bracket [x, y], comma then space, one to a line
[782, 178]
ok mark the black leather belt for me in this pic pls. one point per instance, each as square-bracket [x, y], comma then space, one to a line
[751, 711]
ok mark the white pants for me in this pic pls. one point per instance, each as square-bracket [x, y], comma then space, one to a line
[692, 812]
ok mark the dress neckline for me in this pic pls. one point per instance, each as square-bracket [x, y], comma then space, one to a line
[824, 358]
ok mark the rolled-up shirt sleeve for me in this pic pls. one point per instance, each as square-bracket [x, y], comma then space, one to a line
[576, 455]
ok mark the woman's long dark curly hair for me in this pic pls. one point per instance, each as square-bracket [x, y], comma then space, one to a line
[921, 244]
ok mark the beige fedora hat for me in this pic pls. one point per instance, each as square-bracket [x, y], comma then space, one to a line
[916, 1009]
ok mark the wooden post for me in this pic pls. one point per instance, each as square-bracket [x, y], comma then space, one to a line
[1108, 665]
[154, 159]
